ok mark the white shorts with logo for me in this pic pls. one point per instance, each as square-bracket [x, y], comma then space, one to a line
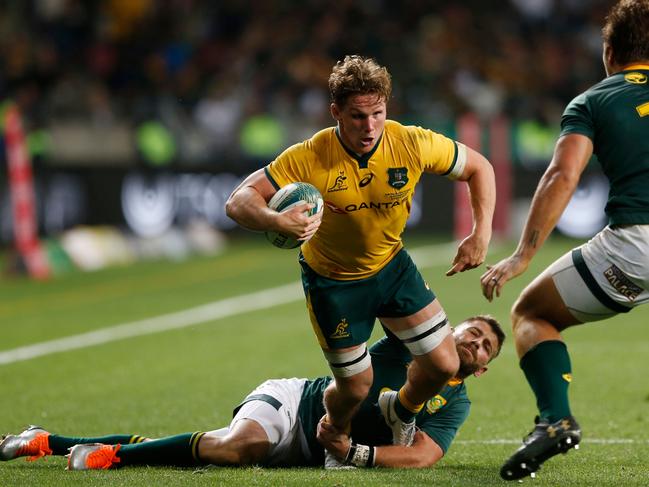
[274, 405]
[607, 275]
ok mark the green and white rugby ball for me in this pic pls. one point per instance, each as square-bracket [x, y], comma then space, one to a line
[291, 195]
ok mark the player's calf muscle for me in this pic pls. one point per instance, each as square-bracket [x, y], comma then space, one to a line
[233, 450]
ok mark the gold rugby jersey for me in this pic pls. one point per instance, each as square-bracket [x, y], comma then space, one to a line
[367, 198]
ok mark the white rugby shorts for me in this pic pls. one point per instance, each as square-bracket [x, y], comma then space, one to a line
[274, 405]
[607, 275]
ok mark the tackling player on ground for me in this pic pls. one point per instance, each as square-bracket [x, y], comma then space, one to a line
[610, 273]
[354, 269]
[276, 424]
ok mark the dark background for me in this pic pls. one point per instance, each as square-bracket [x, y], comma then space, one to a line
[198, 93]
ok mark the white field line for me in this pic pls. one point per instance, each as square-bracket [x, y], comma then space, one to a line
[424, 256]
[181, 319]
[596, 441]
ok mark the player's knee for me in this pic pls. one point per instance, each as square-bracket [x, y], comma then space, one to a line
[522, 309]
[354, 389]
[441, 365]
[358, 392]
[449, 366]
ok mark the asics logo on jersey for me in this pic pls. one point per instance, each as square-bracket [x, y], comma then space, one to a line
[339, 183]
[365, 181]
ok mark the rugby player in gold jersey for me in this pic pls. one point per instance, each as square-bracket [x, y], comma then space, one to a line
[354, 266]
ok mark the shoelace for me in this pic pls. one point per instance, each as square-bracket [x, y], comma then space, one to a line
[36, 448]
[407, 433]
[103, 458]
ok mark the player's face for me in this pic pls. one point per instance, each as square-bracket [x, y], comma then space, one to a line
[360, 120]
[476, 345]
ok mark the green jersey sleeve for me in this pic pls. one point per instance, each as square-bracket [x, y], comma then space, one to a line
[577, 118]
[443, 415]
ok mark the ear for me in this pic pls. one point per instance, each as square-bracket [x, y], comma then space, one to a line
[609, 60]
[335, 112]
[479, 372]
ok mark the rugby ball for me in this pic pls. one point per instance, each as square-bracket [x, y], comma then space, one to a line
[286, 198]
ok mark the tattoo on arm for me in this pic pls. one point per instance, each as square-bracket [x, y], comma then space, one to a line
[534, 238]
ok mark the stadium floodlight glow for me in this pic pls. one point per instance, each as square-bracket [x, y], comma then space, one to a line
[584, 216]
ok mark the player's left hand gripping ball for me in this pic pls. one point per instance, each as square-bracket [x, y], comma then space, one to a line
[289, 196]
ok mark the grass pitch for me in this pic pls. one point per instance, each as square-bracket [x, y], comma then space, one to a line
[188, 379]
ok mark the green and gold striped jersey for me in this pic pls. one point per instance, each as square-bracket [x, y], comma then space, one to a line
[614, 114]
[440, 418]
[367, 198]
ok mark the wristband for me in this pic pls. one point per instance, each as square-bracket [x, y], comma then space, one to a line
[360, 455]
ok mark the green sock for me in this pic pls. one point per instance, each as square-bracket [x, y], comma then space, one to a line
[180, 451]
[547, 369]
[60, 444]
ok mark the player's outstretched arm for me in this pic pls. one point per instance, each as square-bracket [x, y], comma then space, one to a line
[556, 187]
[423, 452]
[479, 175]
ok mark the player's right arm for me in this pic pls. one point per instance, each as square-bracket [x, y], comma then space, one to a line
[556, 187]
[424, 451]
[456, 161]
[248, 206]
[479, 175]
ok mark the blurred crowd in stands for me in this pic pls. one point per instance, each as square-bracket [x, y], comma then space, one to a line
[235, 81]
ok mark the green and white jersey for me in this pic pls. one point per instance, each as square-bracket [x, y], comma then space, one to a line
[440, 418]
[614, 114]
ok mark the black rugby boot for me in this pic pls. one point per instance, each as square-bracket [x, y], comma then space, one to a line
[545, 441]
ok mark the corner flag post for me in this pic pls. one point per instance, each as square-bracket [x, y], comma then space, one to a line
[23, 200]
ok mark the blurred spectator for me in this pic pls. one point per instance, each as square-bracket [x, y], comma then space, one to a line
[208, 70]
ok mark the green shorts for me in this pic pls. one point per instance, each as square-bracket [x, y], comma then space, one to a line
[343, 312]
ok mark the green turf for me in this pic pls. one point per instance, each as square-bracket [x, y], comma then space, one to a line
[189, 379]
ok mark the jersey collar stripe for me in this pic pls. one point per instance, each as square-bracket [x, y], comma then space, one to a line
[634, 67]
[364, 158]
